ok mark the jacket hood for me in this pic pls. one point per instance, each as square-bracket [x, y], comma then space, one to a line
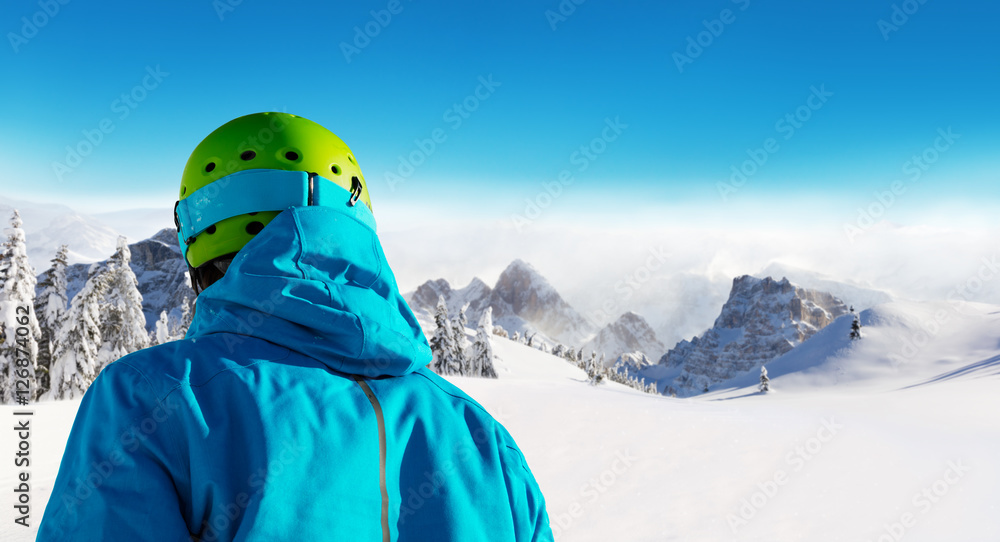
[315, 280]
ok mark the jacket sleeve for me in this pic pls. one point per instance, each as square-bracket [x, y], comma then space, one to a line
[531, 521]
[115, 482]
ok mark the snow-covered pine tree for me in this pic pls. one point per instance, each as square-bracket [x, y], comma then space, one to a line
[855, 326]
[123, 325]
[559, 351]
[765, 382]
[463, 320]
[461, 342]
[516, 337]
[162, 332]
[179, 329]
[481, 362]
[19, 351]
[74, 360]
[443, 341]
[594, 371]
[50, 307]
[570, 354]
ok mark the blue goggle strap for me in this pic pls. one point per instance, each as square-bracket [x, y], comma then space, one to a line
[256, 190]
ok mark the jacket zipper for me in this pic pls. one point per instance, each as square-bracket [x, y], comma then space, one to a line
[381, 454]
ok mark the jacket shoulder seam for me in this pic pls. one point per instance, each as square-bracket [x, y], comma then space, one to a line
[182, 383]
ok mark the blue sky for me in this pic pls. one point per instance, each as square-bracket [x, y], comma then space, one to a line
[558, 82]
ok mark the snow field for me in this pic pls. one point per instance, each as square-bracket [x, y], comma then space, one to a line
[849, 446]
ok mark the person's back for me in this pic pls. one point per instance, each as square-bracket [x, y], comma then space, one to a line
[298, 406]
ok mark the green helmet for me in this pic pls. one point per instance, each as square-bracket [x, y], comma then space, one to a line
[259, 146]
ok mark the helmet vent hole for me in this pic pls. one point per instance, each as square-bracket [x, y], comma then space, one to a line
[184, 190]
[209, 167]
[248, 155]
[254, 228]
[350, 158]
[253, 213]
[292, 155]
[210, 230]
[335, 169]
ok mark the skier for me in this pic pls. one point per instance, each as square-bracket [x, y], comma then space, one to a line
[298, 406]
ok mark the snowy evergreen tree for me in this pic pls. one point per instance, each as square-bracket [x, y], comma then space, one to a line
[559, 351]
[161, 334]
[499, 331]
[19, 351]
[481, 358]
[765, 382]
[516, 337]
[179, 329]
[461, 341]
[443, 342]
[74, 360]
[570, 354]
[123, 325]
[855, 326]
[50, 307]
[595, 372]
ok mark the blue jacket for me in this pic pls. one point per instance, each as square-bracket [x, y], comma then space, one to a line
[298, 407]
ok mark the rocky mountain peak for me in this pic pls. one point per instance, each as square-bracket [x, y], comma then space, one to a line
[629, 334]
[762, 319]
[522, 301]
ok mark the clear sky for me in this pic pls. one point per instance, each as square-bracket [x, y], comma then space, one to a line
[831, 103]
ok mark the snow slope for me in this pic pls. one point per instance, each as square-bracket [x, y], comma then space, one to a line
[847, 447]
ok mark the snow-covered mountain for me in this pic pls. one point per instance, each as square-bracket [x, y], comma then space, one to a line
[523, 301]
[763, 319]
[904, 344]
[47, 226]
[162, 275]
[630, 334]
[90, 237]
